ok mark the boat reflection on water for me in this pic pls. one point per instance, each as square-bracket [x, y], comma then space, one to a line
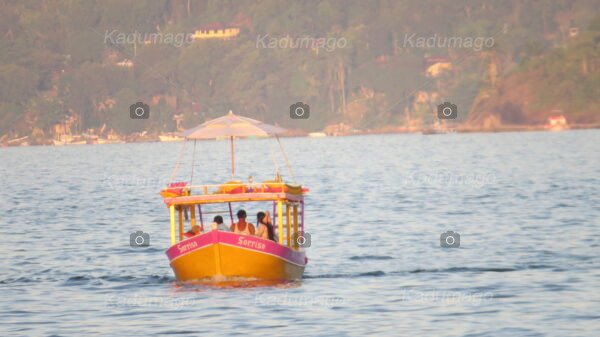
[233, 283]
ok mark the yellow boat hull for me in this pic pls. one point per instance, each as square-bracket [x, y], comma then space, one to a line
[221, 256]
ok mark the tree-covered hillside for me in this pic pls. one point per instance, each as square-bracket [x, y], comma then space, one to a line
[366, 63]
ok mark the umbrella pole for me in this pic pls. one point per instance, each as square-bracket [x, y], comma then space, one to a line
[287, 162]
[232, 159]
[193, 162]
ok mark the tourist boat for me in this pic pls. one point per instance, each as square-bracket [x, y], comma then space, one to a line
[221, 256]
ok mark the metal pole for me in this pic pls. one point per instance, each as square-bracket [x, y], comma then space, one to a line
[280, 220]
[180, 223]
[178, 162]
[288, 224]
[295, 235]
[193, 216]
[302, 217]
[193, 160]
[232, 159]
[172, 216]
[201, 217]
[287, 162]
[274, 213]
[274, 216]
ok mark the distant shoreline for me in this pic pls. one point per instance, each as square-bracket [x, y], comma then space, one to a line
[382, 131]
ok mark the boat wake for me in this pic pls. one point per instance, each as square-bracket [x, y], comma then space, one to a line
[236, 282]
[91, 280]
[135, 280]
[371, 257]
[379, 273]
[375, 273]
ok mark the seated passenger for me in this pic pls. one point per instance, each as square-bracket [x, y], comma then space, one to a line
[265, 227]
[242, 227]
[218, 224]
[192, 232]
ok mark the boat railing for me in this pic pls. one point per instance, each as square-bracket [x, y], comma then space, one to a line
[288, 210]
[233, 188]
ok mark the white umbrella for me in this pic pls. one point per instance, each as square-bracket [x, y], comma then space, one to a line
[231, 126]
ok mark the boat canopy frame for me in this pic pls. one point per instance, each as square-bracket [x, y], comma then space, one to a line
[288, 207]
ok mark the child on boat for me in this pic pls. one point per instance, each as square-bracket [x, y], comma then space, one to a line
[194, 231]
[218, 224]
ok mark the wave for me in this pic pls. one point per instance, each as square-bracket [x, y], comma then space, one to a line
[159, 279]
[371, 257]
[86, 279]
[480, 269]
[150, 279]
[375, 273]
[379, 273]
[463, 269]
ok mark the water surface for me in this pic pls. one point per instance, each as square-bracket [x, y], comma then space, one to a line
[525, 204]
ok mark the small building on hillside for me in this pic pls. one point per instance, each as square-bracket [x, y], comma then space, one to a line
[216, 31]
[179, 118]
[556, 122]
[435, 66]
[573, 29]
[125, 63]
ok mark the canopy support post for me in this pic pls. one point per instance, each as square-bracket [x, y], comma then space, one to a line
[232, 158]
[193, 216]
[201, 217]
[172, 215]
[274, 212]
[287, 162]
[180, 223]
[177, 163]
[289, 224]
[302, 218]
[295, 236]
[280, 220]
[193, 162]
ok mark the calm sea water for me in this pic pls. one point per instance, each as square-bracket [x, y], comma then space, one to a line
[526, 206]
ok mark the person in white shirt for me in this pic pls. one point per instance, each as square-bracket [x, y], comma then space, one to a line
[242, 227]
[218, 224]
